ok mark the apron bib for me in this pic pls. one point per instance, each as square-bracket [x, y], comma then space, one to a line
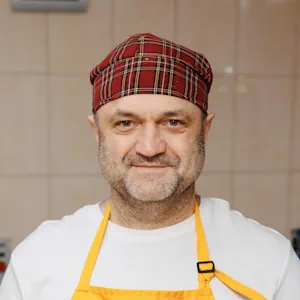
[206, 271]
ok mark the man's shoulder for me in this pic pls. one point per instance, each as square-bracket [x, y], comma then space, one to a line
[238, 243]
[53, 249]
[56, 236]
[235, 226]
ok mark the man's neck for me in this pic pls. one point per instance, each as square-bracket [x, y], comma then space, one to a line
[143, 215]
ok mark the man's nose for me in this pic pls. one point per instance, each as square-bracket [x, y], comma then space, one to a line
[150, 142]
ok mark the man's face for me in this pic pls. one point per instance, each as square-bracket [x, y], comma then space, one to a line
[150, 146]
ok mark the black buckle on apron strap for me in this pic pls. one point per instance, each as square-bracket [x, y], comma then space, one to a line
[205, 263]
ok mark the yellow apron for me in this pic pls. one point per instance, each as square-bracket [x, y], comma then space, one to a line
[206, 271]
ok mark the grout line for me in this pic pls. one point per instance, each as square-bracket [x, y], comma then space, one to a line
[175, 20]
[260, 75]
[292, 128]
[48, 115]
[234, 101]
[48, 175]
[77, 74]
[99, 175]
[22, 73]
[112, 24]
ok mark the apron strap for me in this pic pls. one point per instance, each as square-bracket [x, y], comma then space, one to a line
[206, 267]
[239, 287]
[94, 251]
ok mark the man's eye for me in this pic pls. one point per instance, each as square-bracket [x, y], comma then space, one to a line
[175, 123]
[125, 123]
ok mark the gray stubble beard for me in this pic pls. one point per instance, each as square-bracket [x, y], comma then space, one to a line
[119, 181]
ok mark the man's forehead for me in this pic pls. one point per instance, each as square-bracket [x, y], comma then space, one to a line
[144, 105]
[162, 113]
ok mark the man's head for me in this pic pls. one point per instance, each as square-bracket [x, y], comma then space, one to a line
[167, 132]
[150, 138]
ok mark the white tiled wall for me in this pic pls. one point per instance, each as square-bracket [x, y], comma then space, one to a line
[48, 162]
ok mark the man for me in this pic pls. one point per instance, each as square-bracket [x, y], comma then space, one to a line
[153, 238]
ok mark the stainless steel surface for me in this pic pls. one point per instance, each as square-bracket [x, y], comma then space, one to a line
[51, 5]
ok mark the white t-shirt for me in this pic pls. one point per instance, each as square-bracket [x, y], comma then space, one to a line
[47, 264]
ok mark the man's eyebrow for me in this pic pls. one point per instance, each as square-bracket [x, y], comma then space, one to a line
[169, 113]
[176, 113]
[124, 113]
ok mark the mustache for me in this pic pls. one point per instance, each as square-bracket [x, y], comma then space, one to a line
[159, 159]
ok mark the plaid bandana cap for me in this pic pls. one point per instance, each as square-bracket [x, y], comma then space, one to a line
[147, 64]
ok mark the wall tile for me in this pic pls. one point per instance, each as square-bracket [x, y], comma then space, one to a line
[210, 30]
[73, 147]
[262, 197]
[77, 42]
[294, 210]
[95, 7]
[5, 7]
[266, 36]
[23, 206]
[215, 185]
[298, 39]
[23, 124]
[262, 125]
[23, 42]
[219, 143]
[296, 131]
[68, 194]
[71, 44]
[135, 16]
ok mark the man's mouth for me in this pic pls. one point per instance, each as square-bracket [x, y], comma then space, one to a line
[149, 166]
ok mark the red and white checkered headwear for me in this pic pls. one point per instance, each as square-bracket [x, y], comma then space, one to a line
[147, 64]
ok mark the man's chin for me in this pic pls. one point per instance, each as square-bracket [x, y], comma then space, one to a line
[148, 197]
[155, 186]
[150, 191]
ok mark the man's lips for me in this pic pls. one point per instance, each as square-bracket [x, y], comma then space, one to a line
[149, 166]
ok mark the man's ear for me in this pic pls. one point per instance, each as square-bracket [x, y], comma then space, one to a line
[94, 126]
[207, 123]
